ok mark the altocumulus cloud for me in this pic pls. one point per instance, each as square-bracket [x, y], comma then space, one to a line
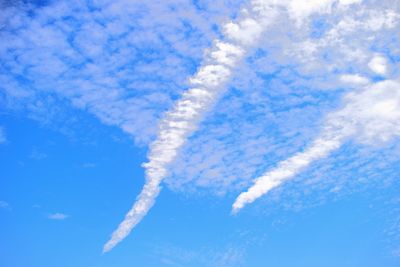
[125, 70]
[262, 120]
[181, 121]
[294, 95]
[371, 116]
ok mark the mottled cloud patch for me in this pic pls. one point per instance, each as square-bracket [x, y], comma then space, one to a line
[125, 70]
[89, 165]
[280, 96]
[379, 65]
[318, 63]
[4, 205]
[58, 216]
[3, 138]
[36, 154]
[207, 84]
[172, 255]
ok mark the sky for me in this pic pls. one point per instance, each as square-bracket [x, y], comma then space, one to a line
[199, 133]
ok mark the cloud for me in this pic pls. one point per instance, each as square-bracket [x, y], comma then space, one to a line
[89, 165]
[58, 216]
[3, 138]
[371, 116]
[287, 169]
[127, 62]
[4, 205]
[279, 98]
[228, 255]
[182, 120]
[125, 70]
[355, 79]
[37, 155]
[378, 64]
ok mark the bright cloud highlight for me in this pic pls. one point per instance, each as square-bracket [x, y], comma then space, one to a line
[182, 120]
[285, 82]
[371, 116]
[58, 216]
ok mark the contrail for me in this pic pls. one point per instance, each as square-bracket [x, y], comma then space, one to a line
[371, 115]
[208, 83]
[182, 120]
[288, 168]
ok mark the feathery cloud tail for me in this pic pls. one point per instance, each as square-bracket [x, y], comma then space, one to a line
[288, 168]
[371, 116]
[183, 119]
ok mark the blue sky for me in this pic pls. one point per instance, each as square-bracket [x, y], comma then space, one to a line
[269, 132]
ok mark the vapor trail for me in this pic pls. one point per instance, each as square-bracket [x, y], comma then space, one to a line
[207, 84]
[288, 168]
[333, 134]
[371, 115]
[183, 118]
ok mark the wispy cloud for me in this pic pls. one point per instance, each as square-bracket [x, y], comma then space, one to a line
[176, 127]
[125, 70]
[378, 64]
[128, 69]
[4, 205]
[37, 154]
[370, 116]
[180, 122]
[289, 168]
[3, 138]
[58, 216]
[172, 255]
[281, 95]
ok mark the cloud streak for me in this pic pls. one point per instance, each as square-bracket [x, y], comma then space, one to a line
[178, 123]
[3, 138]
[127, 69]
[371, 116]
[4, 205]
[287, 169]
[58, 216]
[208, 83]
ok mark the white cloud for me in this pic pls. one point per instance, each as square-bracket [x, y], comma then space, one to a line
[371, 116]
[302, 9]
[355, 79]
[89, 165]
[147, 52]
[349, 2]
[37, 155]
[182, 120]
[379, 65]
[3, 138]
[288, 168]
[172, 255]
[4, 205]
[173, 134]
[230, 257]
[278, 99]
[144, 52]
[245, 31]
[58, 216]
